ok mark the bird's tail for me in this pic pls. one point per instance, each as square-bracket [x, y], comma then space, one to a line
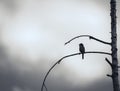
[82, 56]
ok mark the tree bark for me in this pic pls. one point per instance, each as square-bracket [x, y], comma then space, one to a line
[115, 78]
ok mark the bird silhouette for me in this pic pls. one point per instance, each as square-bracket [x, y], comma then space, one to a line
[82, 49]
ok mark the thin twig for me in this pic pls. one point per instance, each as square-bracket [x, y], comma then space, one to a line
[58, 62]
[90, 37]
[45, 87]
[109, 62]
[109, 75]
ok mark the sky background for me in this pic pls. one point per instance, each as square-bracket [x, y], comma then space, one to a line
[32, 37]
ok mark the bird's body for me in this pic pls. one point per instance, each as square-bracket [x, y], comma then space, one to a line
[82, 49]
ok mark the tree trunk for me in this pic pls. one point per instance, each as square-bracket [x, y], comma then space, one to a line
[114, 46]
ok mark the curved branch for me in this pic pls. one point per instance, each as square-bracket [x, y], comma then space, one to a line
[58, 62]
[84, 53]
[90, 37]
[43, 84]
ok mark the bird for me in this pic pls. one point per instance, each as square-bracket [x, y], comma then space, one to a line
[82, 49]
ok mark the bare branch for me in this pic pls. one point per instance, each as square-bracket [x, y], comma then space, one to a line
[108, 62]
[76, 38]
[90, 37]
[58, 62]
[45, 87]
[109, 75]
[84, 53]
[43, 84]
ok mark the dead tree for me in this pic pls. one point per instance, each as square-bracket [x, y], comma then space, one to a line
[114, 64]
[114, 46]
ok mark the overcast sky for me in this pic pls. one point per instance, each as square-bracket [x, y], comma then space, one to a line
[32, 37]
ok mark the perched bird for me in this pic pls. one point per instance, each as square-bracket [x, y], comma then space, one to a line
[82, 49]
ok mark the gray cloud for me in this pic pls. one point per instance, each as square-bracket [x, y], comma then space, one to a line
[10, 5]
[12, 79]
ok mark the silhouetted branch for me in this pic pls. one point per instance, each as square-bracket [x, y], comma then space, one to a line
[109, 75]
[84, 53]
[45, 87]
[108, 62]
[58, 62]
[43, 84]
[90, 37]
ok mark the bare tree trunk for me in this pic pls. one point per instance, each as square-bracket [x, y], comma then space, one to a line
[114, 46]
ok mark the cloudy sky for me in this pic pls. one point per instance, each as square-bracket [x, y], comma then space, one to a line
[32, 37]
